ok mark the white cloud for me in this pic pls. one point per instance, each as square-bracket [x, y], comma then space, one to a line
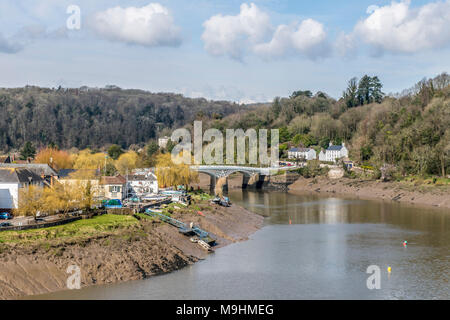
[151, 25]
[27, 35]
[38, 31]
[9, 46]
[308, 38]
[232, 35]
[251, 31]
[372, 8]
[346, 45]
[401, 29]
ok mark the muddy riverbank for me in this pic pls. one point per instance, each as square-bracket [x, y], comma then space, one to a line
[370, 189]
[137, 251]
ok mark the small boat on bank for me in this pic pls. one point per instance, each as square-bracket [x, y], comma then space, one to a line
[224, 202]
[216, 200]
[204, 245]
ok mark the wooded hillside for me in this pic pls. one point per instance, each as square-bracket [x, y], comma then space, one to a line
[410, 130]
[89, 117]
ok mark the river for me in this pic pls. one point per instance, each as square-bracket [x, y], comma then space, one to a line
[311, 247]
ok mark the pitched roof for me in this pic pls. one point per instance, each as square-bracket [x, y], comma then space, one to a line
[67, 173]
[113, 180]
[300, 149]
[18, 175]
[141, 177]
[334, 148]
[5, 159]
[37, 168]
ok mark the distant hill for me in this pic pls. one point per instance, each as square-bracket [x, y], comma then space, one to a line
[410, 130]
[91, 117]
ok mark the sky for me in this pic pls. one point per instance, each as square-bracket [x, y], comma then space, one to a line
[223, 49]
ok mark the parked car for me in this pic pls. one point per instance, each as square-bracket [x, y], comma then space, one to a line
[5, 216]
[5, 224]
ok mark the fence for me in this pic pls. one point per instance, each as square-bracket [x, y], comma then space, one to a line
[41, 225]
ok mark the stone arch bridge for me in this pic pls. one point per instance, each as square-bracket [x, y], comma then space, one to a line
[252, 176]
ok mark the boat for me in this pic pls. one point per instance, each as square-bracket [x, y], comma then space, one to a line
[204, 245]
[224, 202]
[183, 228]
[216, 200]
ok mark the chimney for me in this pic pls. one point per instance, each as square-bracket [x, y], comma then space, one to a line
[343, 144]
[330, 144]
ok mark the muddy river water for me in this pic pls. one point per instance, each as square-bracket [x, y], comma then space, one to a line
[311, 247]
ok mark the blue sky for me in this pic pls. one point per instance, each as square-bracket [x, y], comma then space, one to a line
[235, 50]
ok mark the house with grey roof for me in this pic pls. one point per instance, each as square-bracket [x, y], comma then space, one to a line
[47, 173]
[12, 180]
[333, 153]
[82, 177]
[302, 153]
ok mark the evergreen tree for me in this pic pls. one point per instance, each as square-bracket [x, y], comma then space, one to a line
[28, 151]
[306, 93]
[115, 151]
[152, 148]
[364, 89]
[351, 94]
[376, 93]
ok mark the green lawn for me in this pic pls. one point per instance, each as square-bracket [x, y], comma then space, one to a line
[85, 228]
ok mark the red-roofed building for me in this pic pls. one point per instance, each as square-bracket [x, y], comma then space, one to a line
[114, 187]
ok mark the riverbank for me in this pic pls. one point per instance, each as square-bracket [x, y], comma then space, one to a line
[121, 248]
[437, 196]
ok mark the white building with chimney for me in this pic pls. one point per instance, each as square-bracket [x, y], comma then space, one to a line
[162, 142]
[302, 153]
[142, 182]
[333, 153]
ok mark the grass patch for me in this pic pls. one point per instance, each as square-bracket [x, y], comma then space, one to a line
[80, 229]
[200, 196]
[425, 181]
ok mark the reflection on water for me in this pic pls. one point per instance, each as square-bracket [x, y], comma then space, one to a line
[312, 248]
[280, 207]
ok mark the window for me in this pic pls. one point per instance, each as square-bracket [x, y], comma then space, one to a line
[114, 189]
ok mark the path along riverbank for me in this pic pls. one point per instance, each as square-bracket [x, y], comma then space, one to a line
[436, 196]
[119, 248]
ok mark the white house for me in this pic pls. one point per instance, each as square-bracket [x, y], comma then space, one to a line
[333, 153]
[162, 142]
[11, 181]
[142, 184]
[302, 153]
[112, 187]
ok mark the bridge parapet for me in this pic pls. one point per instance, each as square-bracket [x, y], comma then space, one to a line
[225, 171]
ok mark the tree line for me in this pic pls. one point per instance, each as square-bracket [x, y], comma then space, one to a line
[95, 118]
